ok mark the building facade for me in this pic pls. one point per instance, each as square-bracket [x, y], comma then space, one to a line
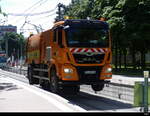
[9, 28]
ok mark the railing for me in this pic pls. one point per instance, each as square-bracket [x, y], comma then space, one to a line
[119, 91]
[17, 70]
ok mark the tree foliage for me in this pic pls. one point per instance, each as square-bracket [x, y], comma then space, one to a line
[16, 42]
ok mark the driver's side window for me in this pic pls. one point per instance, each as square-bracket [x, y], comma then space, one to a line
[59, 37]
[55, 35]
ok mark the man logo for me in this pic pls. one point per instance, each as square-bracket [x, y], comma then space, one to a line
[89, 53]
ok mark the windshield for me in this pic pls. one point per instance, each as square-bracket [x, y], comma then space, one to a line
[84, 37]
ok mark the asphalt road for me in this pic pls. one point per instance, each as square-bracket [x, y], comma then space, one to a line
[18, 96]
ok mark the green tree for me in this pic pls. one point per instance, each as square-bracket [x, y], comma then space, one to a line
[16, 44]
[137, 15]
[79, 9]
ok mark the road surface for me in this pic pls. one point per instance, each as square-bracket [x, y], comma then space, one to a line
[16, 95]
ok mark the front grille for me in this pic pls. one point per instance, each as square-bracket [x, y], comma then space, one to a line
[85, 59]
[85, 76]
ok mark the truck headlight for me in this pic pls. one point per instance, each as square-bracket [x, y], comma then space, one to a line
[68, 70]
[109, 70]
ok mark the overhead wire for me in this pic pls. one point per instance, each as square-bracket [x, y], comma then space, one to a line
[31, 11]
[39, 17]
[43, 17]
[34, 5]
[31, 14]
[25, 15]
[49, 16]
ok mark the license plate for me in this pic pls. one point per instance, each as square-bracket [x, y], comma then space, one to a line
[90, 72]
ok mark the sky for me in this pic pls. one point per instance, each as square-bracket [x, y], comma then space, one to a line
[18, 7]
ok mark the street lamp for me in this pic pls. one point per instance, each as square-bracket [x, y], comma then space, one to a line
[0, 43]
[21, 52]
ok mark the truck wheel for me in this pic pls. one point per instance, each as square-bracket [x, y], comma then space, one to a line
[45, 85]
[97, 87]
[30, 74]
[54, 86]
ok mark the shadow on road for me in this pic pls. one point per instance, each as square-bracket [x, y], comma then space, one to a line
[8, 87]
[91, 102]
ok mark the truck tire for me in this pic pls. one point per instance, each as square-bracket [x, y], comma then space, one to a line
[30, 75]
[97, 87]
[54, 86]
[45, 85]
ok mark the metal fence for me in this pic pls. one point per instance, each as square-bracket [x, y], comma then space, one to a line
[119, 91]
[17, 70]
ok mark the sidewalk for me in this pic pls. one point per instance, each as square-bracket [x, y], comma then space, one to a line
[16, 96]
[126, 80]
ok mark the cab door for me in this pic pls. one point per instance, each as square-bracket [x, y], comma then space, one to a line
[61, 52]
[57, 47]
[54, 45]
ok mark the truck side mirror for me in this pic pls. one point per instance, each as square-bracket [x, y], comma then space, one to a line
[48, 53]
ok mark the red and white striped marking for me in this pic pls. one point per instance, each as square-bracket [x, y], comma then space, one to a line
[81, 50]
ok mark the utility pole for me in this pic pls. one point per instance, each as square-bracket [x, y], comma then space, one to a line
[145, 93]
[59, 11]
[21, 53]
[0, 43]
[6, 47]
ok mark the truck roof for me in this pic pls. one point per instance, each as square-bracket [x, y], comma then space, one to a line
[83, 23]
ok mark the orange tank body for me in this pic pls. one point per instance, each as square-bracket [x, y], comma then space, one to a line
[36, 47]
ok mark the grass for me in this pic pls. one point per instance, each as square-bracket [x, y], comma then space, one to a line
[130, 71]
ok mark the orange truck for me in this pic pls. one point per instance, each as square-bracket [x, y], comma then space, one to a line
[72, 53]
